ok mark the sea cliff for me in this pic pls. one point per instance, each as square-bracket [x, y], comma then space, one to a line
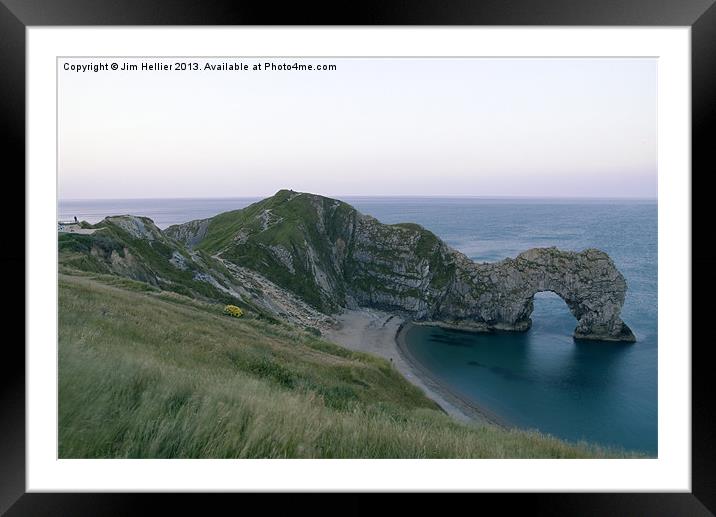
[331, 256]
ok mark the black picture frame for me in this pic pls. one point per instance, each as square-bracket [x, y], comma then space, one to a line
[700, 15]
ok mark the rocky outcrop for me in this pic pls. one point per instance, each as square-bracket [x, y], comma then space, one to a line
[137, 227]
[190, 233]
[501, 295]
[332, 256]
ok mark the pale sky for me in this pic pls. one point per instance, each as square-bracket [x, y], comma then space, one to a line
[448, 127]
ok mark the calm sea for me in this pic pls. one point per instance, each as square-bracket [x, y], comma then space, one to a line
[542, 379]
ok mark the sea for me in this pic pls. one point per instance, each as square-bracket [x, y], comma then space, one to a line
[598, 392]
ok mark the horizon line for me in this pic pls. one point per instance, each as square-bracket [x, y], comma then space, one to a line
[339, 196]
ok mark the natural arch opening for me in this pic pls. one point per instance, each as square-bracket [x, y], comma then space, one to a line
[551, 313]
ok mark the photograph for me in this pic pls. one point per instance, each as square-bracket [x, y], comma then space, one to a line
[437, 248]
[357, 257]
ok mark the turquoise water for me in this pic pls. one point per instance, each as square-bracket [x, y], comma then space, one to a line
[542, 379]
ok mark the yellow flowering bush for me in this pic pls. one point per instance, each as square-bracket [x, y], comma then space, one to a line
[233, 310]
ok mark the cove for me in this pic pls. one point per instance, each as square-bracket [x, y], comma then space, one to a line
[543, 379]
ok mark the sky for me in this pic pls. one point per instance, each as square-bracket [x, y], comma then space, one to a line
[531, 127]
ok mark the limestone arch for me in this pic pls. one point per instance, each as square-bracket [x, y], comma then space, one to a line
[587, 281]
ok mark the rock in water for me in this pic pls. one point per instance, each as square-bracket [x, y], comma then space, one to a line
[333, 256]
[588, 281]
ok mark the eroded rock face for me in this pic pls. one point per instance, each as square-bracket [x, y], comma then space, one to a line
[138, 227]
[444, 286]
[501, 295]
[189, 233]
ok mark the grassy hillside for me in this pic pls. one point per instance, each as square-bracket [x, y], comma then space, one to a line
[146, 373]
[147, 255]
[286, 237]
[323, 249]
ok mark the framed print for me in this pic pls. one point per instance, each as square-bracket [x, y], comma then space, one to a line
[443, 252]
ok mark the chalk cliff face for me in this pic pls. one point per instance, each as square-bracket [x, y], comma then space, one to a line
[332, 256]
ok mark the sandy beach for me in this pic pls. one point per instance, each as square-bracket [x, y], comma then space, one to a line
[380, 333]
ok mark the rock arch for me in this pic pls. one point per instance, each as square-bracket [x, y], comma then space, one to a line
[588, 281]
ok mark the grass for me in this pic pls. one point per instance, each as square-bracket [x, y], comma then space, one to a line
[151, 374]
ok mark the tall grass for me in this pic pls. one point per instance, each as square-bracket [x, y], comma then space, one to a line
[158, 375]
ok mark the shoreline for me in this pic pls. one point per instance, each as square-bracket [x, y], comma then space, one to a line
[380, 333]
[477, 412]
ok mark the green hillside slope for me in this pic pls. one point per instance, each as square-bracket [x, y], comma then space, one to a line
[321, 249]
[146, 373]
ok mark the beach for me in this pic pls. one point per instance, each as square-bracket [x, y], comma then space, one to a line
[382, 334]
